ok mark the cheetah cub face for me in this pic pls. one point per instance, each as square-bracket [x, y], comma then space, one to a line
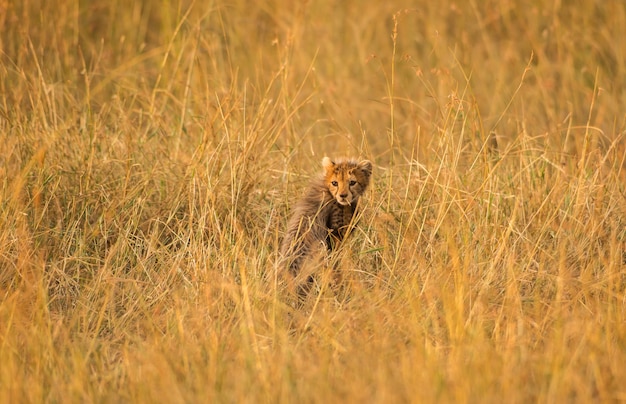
[346, 180]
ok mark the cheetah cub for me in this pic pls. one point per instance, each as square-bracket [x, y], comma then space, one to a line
[324, 215]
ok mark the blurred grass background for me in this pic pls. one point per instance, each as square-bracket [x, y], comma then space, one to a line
[150, 153]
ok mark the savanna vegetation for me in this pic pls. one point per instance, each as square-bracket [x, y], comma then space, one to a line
[150, 152]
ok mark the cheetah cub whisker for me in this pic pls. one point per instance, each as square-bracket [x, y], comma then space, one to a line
[323, 217]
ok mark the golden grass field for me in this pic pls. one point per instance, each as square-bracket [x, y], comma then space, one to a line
[150, 153]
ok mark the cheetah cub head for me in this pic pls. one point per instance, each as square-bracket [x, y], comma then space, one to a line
[346, 180]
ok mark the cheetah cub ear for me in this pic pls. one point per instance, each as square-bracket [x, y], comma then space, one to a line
[328, 164]
[366, 167]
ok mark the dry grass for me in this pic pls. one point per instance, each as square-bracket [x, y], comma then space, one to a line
[149, 155]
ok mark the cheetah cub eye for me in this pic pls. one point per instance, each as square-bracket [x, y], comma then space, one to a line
[352, 183]
[334, 183]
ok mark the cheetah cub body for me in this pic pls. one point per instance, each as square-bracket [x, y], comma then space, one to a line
[324, 215]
